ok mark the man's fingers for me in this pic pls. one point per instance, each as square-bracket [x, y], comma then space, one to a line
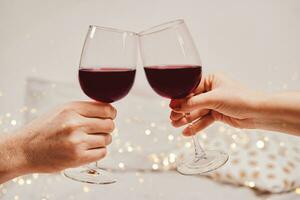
[198, 125]
[93, 109]
[94, 125]
[93, 155]
[97, 140]
[190, 118]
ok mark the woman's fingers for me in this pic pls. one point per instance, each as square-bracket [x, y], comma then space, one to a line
[174, 116]
[99, 140]
[198, 125]
[207, 100]
[185, 119]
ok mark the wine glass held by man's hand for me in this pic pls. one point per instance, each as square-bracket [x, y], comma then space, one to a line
[106, 74]
[71, 135]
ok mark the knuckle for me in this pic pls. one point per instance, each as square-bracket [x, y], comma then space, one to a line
[75, 141]
[102, 152]
[114, 112]
[108, 110]
[190, 102]
[108, 139]
[110, 126]
[188, 118]
[72, 124]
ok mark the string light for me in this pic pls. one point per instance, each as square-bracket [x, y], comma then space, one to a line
[171, 137]
[260, 144]
[21, 181]
[121, 165]
[13, 122]
[33, 110]
[172, 157]
[188, 145]
[86, 189]
[147, 132]
[155, 166]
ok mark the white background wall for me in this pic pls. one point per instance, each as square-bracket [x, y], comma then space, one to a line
[254, 41]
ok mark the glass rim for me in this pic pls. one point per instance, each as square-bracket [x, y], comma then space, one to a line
[161, 27]
[116, 30]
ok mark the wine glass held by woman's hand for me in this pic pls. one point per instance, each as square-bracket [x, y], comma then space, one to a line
[218, 98]
[173, 70]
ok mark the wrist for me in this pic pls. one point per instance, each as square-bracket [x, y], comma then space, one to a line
[13, 159]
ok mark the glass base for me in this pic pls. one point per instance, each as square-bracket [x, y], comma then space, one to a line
[189, 165]
[90, 175]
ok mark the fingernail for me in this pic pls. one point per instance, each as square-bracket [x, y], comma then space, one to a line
[175, 105]
[187, 131]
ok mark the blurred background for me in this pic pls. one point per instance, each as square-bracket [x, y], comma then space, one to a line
[255, 41]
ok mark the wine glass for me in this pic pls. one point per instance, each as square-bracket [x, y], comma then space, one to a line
[173, 69]
[106, 74]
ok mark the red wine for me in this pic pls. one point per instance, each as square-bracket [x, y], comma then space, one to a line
[173, 81]
[106, 84]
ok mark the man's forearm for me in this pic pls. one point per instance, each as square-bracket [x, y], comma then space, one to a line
[11, 159]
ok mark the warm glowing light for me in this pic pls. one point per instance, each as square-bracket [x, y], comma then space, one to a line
[172, 157]
[33, 110]
[13, 122]
[120, 150]
[141, 180]
[21, 181]
[129, 149]
[35, 176]
[155, 166]
[233, 145]
[147, 132]
[260, 144]
[121, 165]
[250, 184]
[152, 124]
[188, 145]
[86, 189]
[166, 162]
[171, 137]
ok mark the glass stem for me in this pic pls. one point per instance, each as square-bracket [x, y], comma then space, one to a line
[199, 151]
[97, 164]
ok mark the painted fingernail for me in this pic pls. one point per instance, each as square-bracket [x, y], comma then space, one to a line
[175, 105]
[187, 131]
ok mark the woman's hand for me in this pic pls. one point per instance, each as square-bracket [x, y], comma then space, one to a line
[218, 98]
[72, 135]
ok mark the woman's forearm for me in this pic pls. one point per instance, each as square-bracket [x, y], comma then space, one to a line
[280, 112]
